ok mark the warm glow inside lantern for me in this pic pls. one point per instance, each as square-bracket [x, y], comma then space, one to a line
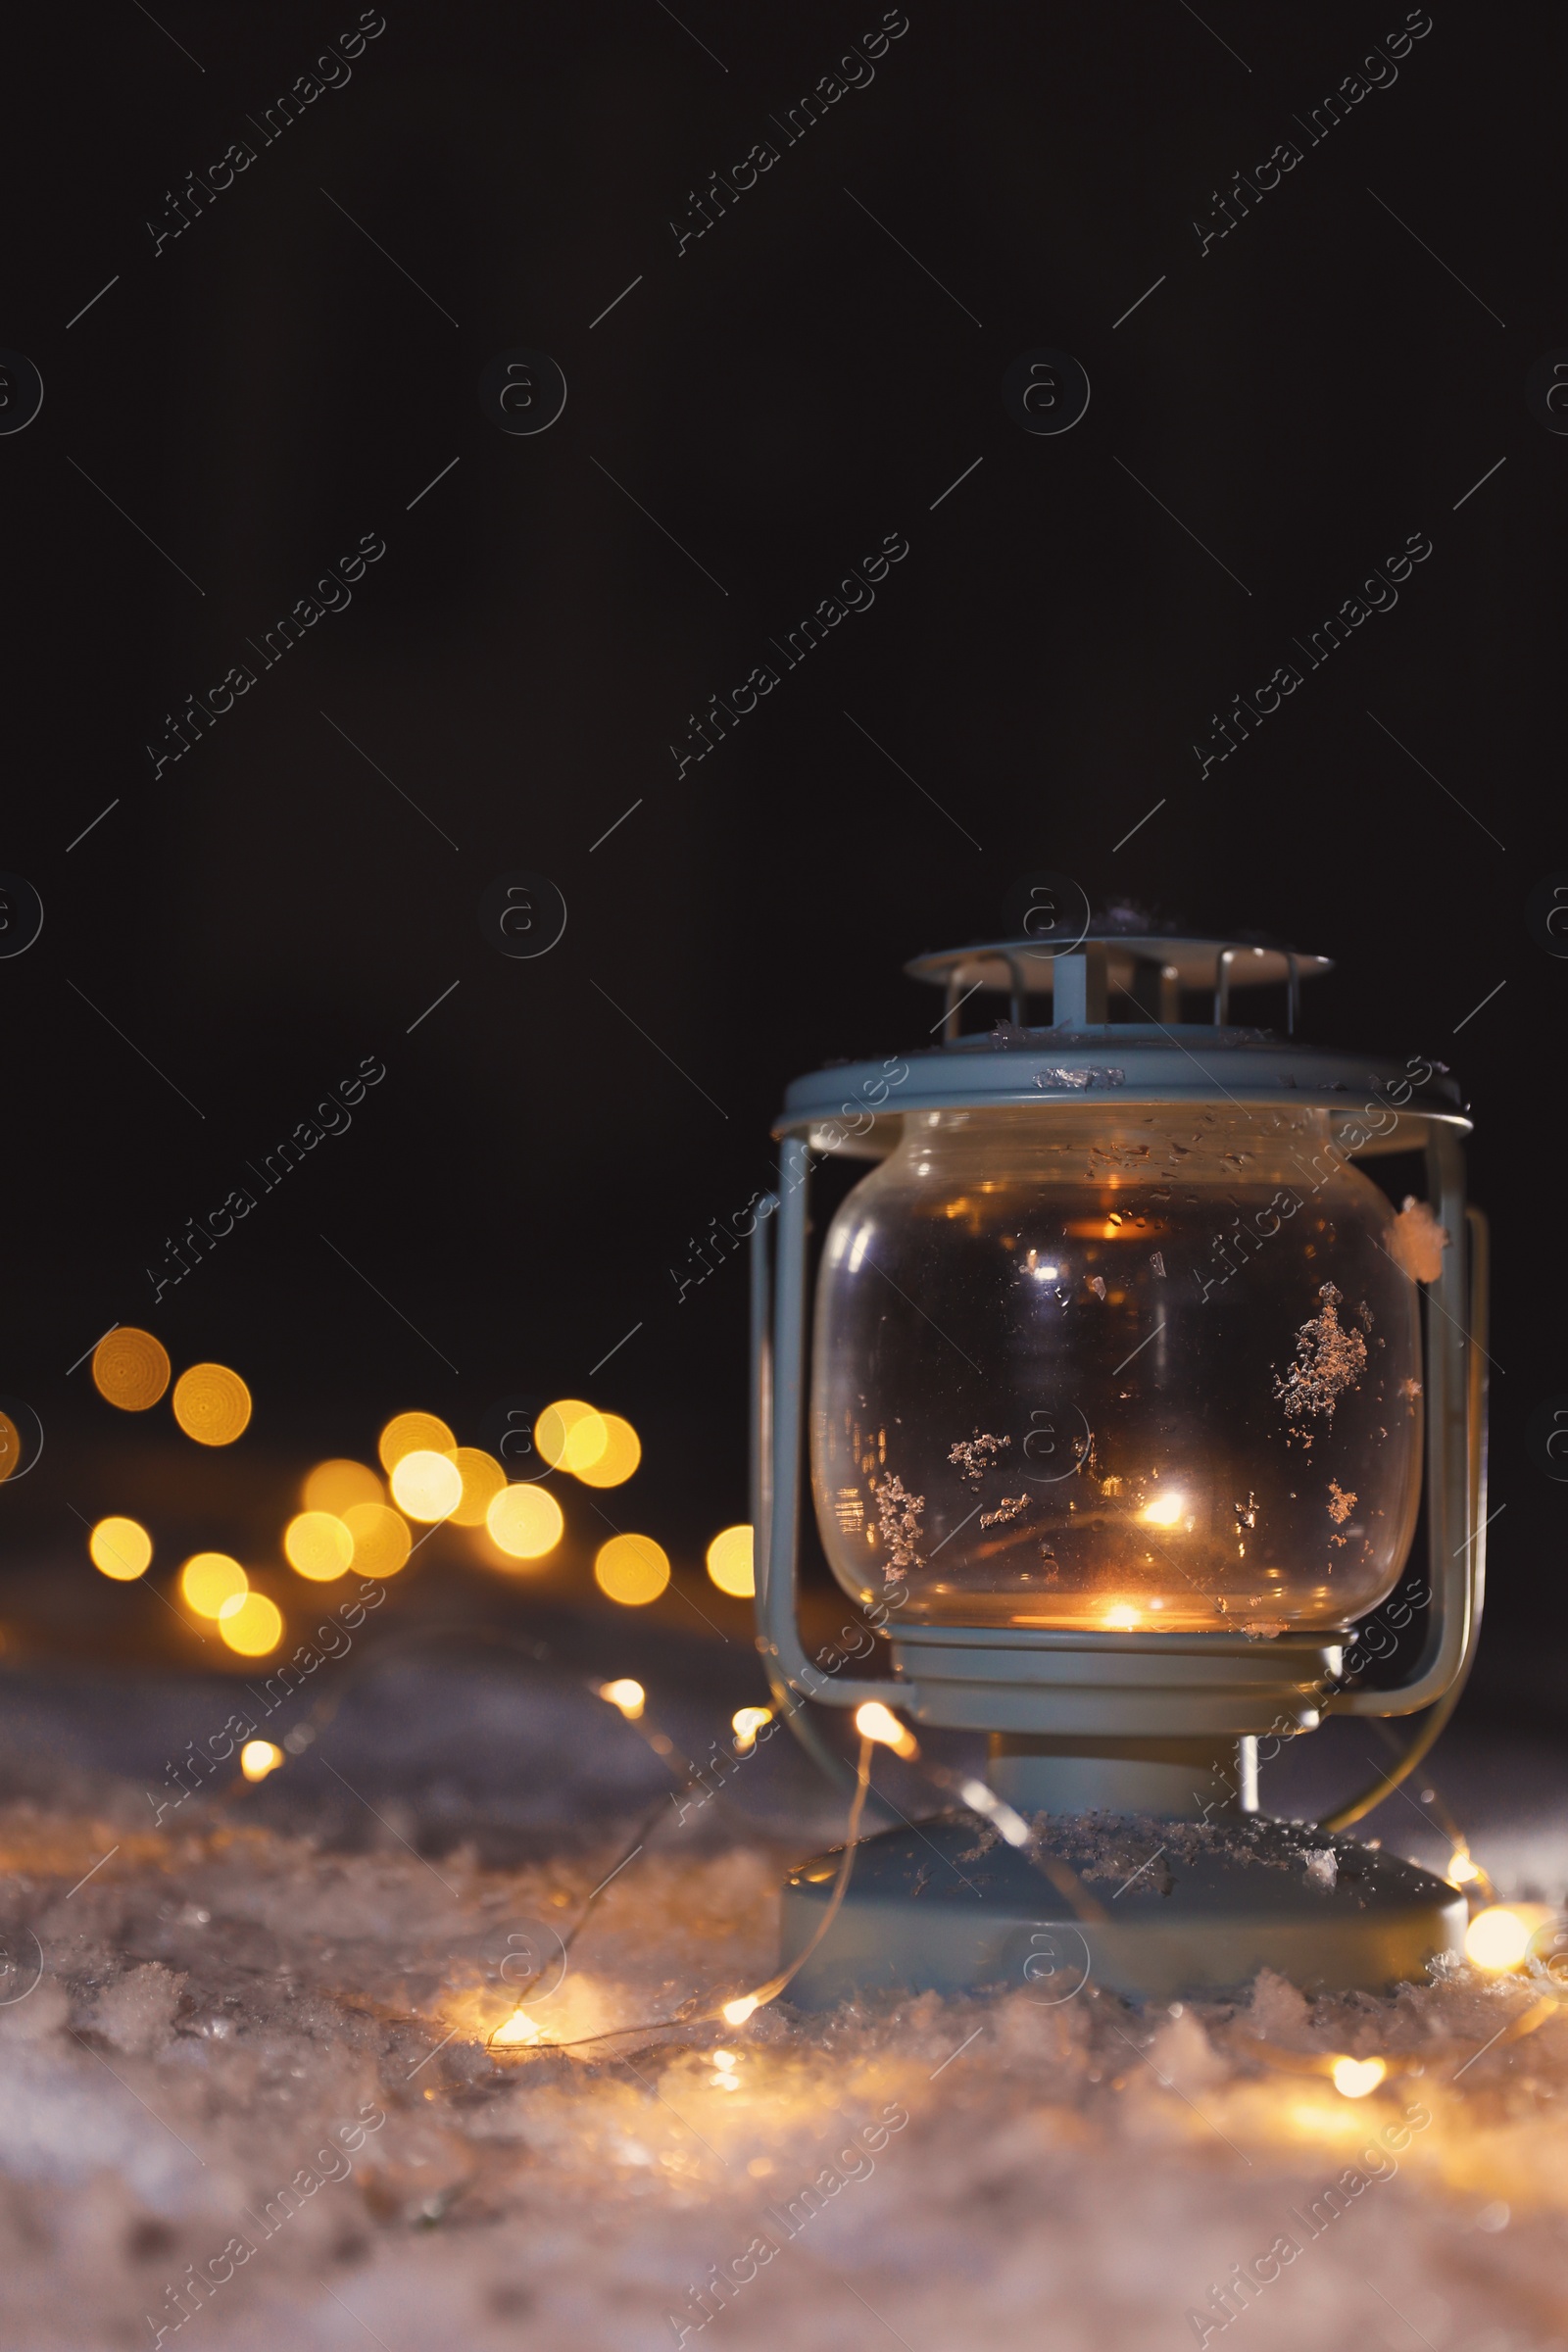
[1126, 1383]
[1044, 1393]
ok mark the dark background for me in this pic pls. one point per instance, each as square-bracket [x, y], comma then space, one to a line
[781, 395]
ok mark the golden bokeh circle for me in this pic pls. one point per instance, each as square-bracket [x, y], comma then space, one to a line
[570, 1435]
[319, 1545]
[250, 1624]
[122, 1548]
[526, 1521]
[623, 1452]
[212, 1404]
[130, 1369]
[210, 1579]
[426, 1486]
[482, 1479]
[731, 1563]
[332, 1486]
[631, 1569]
[412, 1433]
[380, 1538]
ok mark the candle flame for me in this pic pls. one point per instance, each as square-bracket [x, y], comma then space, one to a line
[1163, 1511]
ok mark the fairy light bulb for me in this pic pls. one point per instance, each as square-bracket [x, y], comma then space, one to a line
[518, 2032]
[874, 1721]
[1497, 1938]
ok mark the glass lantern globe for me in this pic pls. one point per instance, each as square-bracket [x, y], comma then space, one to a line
[1154, 1370]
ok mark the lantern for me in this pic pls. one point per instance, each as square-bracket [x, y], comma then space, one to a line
[1123, 1390]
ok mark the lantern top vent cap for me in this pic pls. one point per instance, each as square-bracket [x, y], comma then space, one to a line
[1027, 965]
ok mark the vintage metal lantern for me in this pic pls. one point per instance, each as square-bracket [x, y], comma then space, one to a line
[1123, 1390]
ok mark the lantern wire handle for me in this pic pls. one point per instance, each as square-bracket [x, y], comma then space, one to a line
[1435, 1724]
[792, 1706]
[1436, 1721]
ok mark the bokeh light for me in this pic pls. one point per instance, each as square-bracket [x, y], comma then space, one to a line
[629, 1696]
[319, 1545]
[623, 1452]
[380, 1538]
[210, 1579]
[412, 1433]
[1497, 1937]
[333, 1486]
[746, 1723]
[212, 1404]
[259, 1757]
[1462, 1868]
[1353, 2078]
[121, 1548]
[631, 1569]
[525, 1522]
[570, 1435]
[730, 1563]
[482, 1479]
[130, 1369]
[426, 1486]
[251, 1624]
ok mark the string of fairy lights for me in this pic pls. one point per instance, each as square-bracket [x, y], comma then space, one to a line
[352, 1516]
[1524, 1939]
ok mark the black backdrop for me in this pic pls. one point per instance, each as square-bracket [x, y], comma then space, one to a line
[765, 403]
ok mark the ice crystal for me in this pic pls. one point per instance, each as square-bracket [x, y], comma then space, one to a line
[974, 1455]
[1418, 1241]
[1329, 1360]
[898, 1525]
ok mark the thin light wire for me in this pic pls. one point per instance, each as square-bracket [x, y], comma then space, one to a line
[688, 2014]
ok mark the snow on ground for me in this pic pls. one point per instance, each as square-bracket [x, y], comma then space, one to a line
[246, 2097]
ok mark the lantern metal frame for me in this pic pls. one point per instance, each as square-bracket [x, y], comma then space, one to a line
[1096, 1692]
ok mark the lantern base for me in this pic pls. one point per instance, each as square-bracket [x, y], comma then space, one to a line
[1149, 1909]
